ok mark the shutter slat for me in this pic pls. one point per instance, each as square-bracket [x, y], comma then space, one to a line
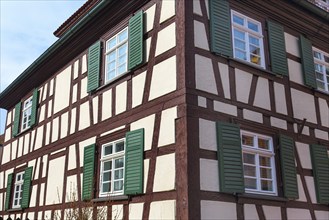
[220, 27]
[307, 62]
[17, 118]
[289, 175]
[8, 190]
[135, 52]
[94, 58]
[35, 101]
[26, 187]
[277, 48]
[320, 165]
[88, 172]
[230, 158]
[134, 162]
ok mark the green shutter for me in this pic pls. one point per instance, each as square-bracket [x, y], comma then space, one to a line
[307, 62]
[135, 52]
[94, 58]
[34, 112]
[230, 158]
[220, 27]
[320, 164]
[134, 162]
[8, 191]
[26, 187]
[17, 118]
[277, 48]
[288, 167]
[88, 172]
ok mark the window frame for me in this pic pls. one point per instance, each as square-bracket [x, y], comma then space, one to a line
[19, 184]
[28, 109]
[324, 65]
[112, 157]
[259, 35]
[259, 152]
[107, 52]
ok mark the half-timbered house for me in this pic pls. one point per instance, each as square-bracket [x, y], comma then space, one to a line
[173, 109]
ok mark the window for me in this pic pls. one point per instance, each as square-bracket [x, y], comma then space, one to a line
[26, 114]
[321, 64]
[258, 163]
[247, 39]
[116, 55]
[112, 168]
[18, 189]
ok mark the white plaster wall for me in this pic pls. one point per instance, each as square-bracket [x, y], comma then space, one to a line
[44, 162]
[292, 44]
[295, 72]
[51, 87]
[2, 176]
[218, 210]
[136, 211]
[146, 172]
[62, 90]
[148, 124]
[278, 123]
[84, 64]
[321, 215]
[47, 133]
[55, 181]
[20, 147]
[76, 69]
[272, 212]
[8, 134]
[262, 95]
[14, 145]
[149, 17]
[225, 108]
[250, 212]
[84, 119]
[113, 130]
[204, 75]
[324, 112]
[42, 113]
[54, 135]
[167, 127]
[303, 105]
[9, 120]
[224, 75]
[84, 92]
[32, 139]
[300, 214]
[44, 92]
[311, 188]
[107, 104]
[33, 197]
[138, 84]
[26, 143]
[197, 7]
[42, 191]
[167, 10]
[71, 194]
[74, 93]
[40, 94]
[72, 160]
[39, 137]
[73, 120]
[202, 101]
[148, 47]
[50, 105]
[200, 36]
[209, 178]
[1, 200]
[166, 39]
[243, 84]
[7, 172]
[301, 192]
[121, 98]
[64, 124]
[280, 98]
[305, 131]
[84, 144]
[164, 165]
[117, 212]
[163, 210]
[321, 134]
[207, 135]
[163, 78]
[304, 154]
[252, 116]
[95, 109]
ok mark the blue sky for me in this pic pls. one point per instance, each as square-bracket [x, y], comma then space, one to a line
[26, 32]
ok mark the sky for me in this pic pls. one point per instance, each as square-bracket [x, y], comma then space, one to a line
[26, 32]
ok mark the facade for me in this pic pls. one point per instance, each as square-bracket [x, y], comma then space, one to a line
[163, 109]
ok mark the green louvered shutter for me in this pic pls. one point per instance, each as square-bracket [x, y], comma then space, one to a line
[17, 118]
[27, 187]
[134, 162]
[135, 52]
[94, 59]
[230, 158]
[320, 164]
[277, 48]
[307, 62]
[288, 168]
[8, 191]
[220, 28]
[88, 172]
[34, 112]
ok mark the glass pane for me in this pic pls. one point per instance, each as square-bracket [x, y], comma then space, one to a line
[107, 165]
[123, 36]
[254, 41]
[248, 140]
[122, 60]
[108, 150]
[326, 59]
[111, 44]
[237, 20]
[254, 50]
[320, 85]
[118, 174]
[239, 34]
[318, 67]
[17, 188]
[248, 158]
[106, 176]
[239, 44]
[266, 185]
[15, 203]
[118, 163]
[265, 161]
[250, 183]
[319, 76]
[255, 59]
[119, 146]
[106, 187]
[249, 170]
[111, 75]
[123, 50]
[316, 55]
[118, 185]
[253, 26]
[263, 143]
[241, 55]
[266, 173]
[110, 57]
[122, 69]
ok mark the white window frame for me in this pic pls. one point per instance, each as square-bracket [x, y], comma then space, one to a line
[325, 65]
[260, 152]
[116, 50]
[112, 157]
[18, 189]
[26, 114]
[248, 32]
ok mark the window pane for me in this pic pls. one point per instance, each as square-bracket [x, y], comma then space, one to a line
[118, 174]
[254, 50]
[248, 140]
[237, 20]
[122, 69]
[118, 185]
[111, 44]
[266, 173]
[320, 85]
[319, 76]
[241, 55]
[263, 143]
[250, 183]
[254, 41]
[106, 187]
[318, 67]
[119, 163]
[248, 158]
[239, 44]
[108, 150]
[253, 26]
[266, 185]
[107, 177]
[107, 165]
[326, 59]
[249, 170]
[110, 57]
[265, 161]
[123, 50]
[239, 34]
[119, 146]
[255, 59]
[316, 55]
[122, 60]
[123, 36]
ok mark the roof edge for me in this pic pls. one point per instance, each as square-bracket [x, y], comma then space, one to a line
[313, 8]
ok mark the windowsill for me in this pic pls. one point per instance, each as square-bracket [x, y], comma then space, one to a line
[115, 79]
[265, 197]
[14, 210]
[110, 198]
[322, 91]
